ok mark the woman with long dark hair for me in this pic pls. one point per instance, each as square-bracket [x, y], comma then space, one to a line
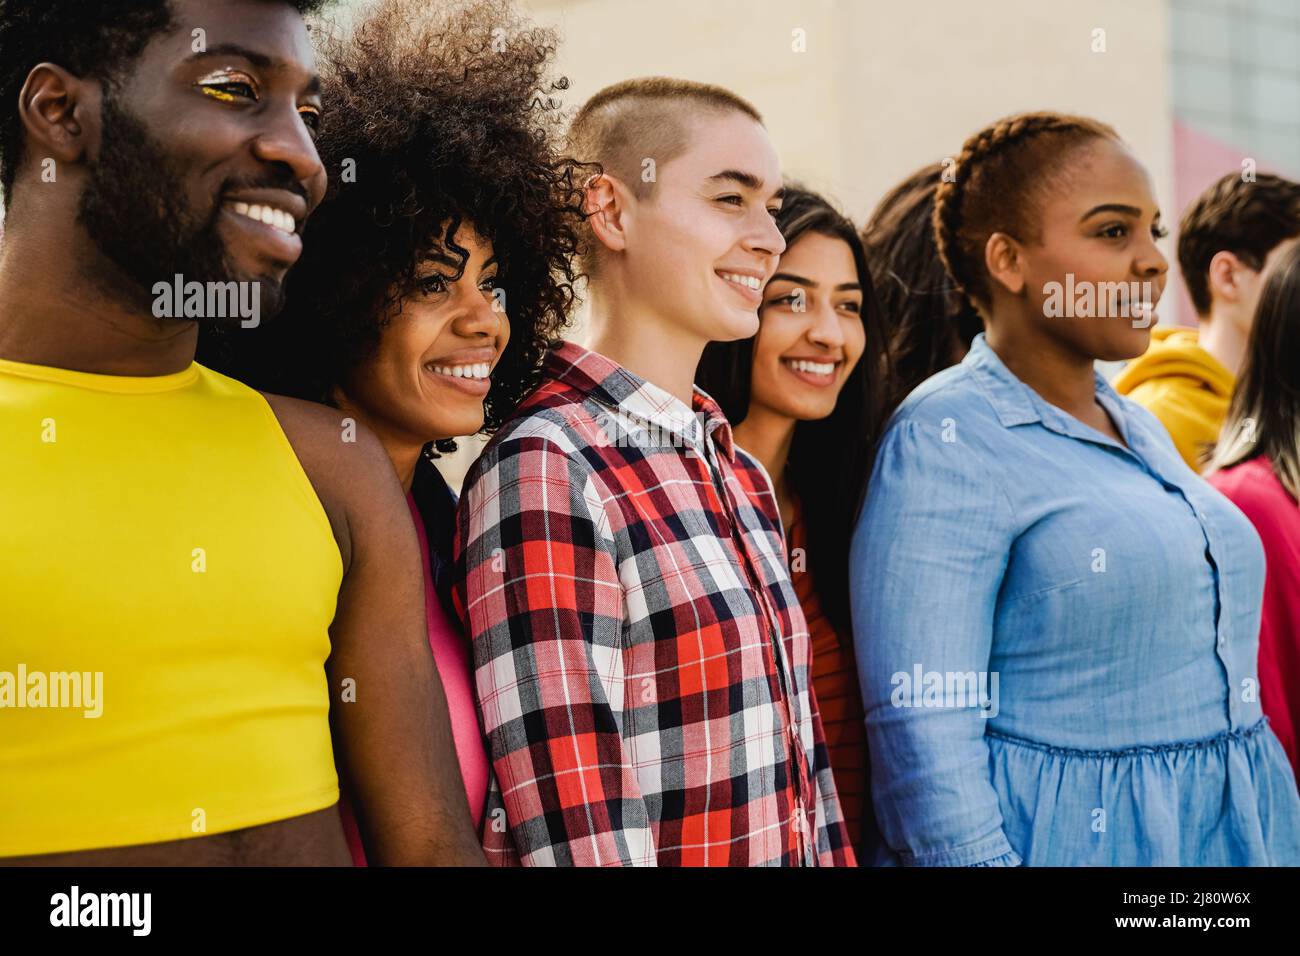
[803, 396]
[1256, 463]
[928, 322]
[437, 271]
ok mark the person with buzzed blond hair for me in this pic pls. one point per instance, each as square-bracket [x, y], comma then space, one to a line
[642, 662]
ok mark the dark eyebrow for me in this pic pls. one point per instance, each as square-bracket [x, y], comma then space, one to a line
[255, 57]
[1114, 207]
[791, 277]
[445, 258]
[747, 180]
[800, 280]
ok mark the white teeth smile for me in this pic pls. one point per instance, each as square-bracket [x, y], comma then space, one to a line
[749, 282]
[269, 215]
[479, 370]
[817, 368]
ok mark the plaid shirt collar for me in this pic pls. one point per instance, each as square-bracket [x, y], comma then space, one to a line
[638, 403]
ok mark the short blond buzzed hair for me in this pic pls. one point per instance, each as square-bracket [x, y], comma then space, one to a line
[647, 118]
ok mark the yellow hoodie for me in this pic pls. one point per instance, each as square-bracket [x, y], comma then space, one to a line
[1182, 385]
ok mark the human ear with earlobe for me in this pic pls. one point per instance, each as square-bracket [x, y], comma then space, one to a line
[54, 105]
[1003, 261]
[1222, 276]
[606, 206]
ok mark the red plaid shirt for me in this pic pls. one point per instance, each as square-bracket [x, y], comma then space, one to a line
[641, 660]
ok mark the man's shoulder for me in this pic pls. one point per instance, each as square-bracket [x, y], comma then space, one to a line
[308, 420]
[318, 431]
[342, 459]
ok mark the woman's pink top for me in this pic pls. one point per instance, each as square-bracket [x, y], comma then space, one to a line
[1253, 487]
[455, 669]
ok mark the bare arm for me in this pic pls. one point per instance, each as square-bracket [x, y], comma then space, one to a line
[392, 735]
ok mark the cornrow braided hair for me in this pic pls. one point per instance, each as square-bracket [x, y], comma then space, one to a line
[996, 183]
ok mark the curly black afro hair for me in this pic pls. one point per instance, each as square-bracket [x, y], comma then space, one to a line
[96, 38]
[446, 113]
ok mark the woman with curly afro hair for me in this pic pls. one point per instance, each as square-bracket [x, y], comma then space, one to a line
[436, 272]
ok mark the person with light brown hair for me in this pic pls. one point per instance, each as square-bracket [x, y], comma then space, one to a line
[1055, 618]
[1228, 240]
[1256, 463]
[642, 659]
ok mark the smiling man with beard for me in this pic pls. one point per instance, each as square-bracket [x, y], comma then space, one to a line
[239, 583]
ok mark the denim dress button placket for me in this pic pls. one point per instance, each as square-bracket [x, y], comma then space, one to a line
[1221, 598]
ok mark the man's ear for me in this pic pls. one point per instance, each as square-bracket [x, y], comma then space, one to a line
[1005, 264]
[1221, 277]
[606, 204]
[53, 106]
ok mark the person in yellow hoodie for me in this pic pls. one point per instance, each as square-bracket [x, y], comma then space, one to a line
[1228, 239]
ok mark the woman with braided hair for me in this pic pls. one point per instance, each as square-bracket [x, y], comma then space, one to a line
[1056, 620]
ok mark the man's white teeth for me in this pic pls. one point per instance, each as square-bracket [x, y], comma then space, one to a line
[479, 370]
[749, 282]
[275, 218]
[817, 368]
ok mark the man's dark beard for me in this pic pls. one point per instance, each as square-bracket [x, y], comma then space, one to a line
[133, 209]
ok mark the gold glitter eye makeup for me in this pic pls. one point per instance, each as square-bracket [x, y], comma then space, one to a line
[227, 85]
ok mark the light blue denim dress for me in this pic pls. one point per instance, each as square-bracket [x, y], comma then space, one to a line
[1057, 641]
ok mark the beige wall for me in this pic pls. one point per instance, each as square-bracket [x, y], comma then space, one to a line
[882, 87]
[885, 87]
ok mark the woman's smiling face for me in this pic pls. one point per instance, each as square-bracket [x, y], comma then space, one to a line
[1099, 234]
[810, 335]
[432, 369]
